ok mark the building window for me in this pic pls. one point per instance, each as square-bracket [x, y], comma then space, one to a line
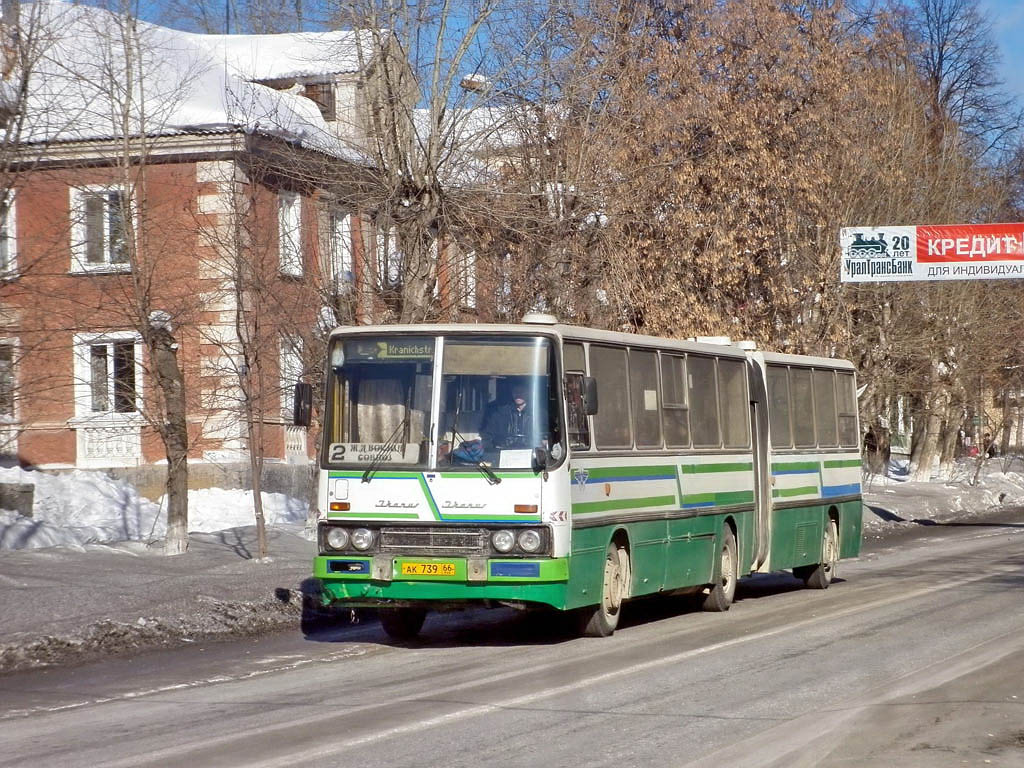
[8, 237]
[291, 373]
[289, 224]
[98, 229]
[389, 258]
[7, 382]
[340, 245]
[465, 279]
[108, 378]
[322, 94]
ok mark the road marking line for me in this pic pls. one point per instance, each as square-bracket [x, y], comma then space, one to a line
[526, 699]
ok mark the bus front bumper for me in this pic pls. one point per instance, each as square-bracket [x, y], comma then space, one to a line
[383, 580]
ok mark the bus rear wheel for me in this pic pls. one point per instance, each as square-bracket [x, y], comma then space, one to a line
[602, 619]
[820, 576]
[722, 592]
[402, 623]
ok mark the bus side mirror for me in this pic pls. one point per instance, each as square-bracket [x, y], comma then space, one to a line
[589, 395]
[302, 404]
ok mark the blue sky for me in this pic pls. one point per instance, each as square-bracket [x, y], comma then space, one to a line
[1008, 25]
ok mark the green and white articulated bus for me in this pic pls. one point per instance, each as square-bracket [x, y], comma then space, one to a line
[542, 464]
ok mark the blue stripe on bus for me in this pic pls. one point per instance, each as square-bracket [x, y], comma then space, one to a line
[840, 490]
[593, 480]
[515, 569]
[796, 472]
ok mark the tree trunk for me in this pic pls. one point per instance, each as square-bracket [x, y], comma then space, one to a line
[174, 432]
[929, 452]
[256, 467]
[950, 433]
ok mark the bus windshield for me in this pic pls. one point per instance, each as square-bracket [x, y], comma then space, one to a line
[498, 402]
[379, 400]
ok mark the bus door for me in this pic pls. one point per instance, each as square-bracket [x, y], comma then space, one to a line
[762, 470]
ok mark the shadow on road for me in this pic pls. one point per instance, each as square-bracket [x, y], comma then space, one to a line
[503, 626]
[892, 517]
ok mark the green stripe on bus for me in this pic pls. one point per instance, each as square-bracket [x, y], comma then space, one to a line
[596, 473]
[718, 499]
[784, 492]
[379, 475]
[608, 506]
[842, 463]
[478, 474]
[700, 469]
[782, 466]
[481, 516]
[375, 515]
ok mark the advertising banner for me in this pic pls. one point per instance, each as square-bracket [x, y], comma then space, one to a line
[933, 252]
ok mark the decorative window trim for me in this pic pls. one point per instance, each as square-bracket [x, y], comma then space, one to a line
[289, 233]
[389, 257]
[340, 257]
[79, 257]
[82, 371]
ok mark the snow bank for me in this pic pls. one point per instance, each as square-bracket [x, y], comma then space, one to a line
[79, 508]
[894, 501]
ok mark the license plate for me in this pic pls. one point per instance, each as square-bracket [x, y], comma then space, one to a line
[428, 569]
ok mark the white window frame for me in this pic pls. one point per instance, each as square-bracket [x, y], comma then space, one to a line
[82, 369]
[79, 247]
[291, 369]
[13, 416]
[341, 264]
[466, 282]
[389, 259]
[289, 229]
[9, 235]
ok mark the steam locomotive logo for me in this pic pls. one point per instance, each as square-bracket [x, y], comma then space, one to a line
[865, 248]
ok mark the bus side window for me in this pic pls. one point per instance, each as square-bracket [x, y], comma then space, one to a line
[847, 407]
[676, 414]
[702, 395]
[778, 406]
[825, 408]
[611, 424]
[574, 363]
[802, 407]
[579, 429]
[643, 388]
[735, 408]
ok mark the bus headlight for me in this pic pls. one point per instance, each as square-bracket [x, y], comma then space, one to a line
[337, 538]
[503, 541]
[362, 539]
[529, 540]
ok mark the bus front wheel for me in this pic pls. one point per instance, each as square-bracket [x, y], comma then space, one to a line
[820, 576]
[722, 592]
[402, 623]
[602, 619]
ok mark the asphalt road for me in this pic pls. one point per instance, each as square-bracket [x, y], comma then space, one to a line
[914, 658]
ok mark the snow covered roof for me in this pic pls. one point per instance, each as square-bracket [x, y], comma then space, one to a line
[100, 75]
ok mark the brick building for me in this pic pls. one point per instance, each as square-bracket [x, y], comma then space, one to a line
[206, 182]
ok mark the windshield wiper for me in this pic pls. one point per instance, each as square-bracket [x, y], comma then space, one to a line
[492, 478]
[384, 451]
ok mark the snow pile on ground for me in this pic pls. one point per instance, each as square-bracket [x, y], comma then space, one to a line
[82, 507]
[893, 502]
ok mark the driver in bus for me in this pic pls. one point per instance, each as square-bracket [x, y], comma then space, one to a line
[509, 425]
